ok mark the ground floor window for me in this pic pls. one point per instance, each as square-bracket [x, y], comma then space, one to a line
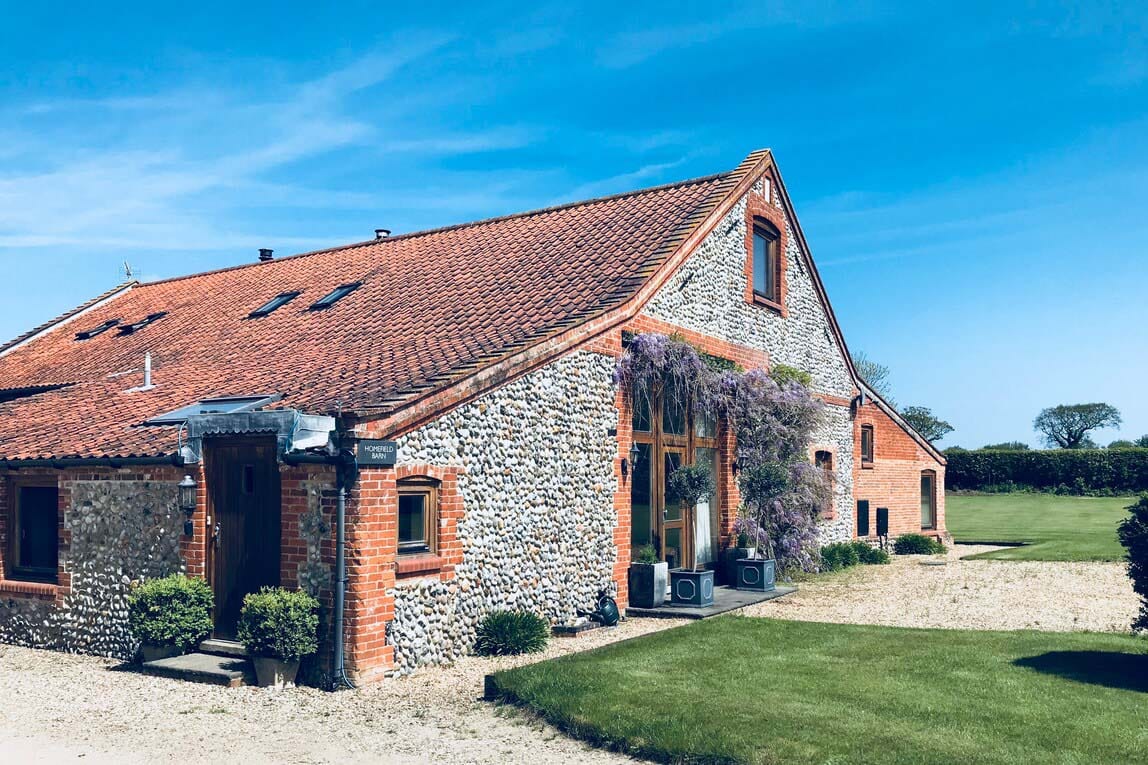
[928, 500]
[418, 508]
[34, 538]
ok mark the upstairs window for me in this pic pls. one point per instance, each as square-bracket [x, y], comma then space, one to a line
[88, 334]
[866, 445]
[335, 296]
[418, 511]
[766, 262]
[128, 329]
[273, 305]
[34, 542]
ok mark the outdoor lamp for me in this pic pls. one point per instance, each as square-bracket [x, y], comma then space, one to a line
[187, 502]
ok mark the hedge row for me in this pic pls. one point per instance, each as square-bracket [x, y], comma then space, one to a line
[1067, 470]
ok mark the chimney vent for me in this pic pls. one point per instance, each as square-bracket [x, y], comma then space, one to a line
[265, 254]
[382, 233]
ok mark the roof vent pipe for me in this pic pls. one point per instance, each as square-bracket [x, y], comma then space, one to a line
[265, 254]
[382, 233]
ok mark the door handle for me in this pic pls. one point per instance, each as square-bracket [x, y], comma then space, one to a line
[215, 535]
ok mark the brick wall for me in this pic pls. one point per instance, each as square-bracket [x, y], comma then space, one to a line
[894, 480]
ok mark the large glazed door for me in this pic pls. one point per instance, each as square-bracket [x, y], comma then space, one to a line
[243, 483]
[676, 525]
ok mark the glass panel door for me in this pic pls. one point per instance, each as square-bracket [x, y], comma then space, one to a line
[706, 522]
[674, 538]
[641, 498]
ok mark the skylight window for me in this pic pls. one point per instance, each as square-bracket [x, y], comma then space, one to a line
[88, 334]
[128, 329]
[223, 405]
[335, 296]
[273, 305]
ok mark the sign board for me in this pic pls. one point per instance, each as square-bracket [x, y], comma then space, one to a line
[374, 453]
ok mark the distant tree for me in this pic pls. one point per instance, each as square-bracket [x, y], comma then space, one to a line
[1142, 442]
[1068, 425]
[875, 375]
[955, 450]
[1007, 446]
[926, 423]
[1122, 444]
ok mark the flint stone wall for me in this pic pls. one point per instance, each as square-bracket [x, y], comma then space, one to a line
[707, 295]
[121, 531]
[538, 491]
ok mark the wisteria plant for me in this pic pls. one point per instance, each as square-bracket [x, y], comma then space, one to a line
[774, 421]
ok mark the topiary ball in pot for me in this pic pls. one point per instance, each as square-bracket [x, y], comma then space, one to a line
[279, 627]
[170, 616]
[508, 633]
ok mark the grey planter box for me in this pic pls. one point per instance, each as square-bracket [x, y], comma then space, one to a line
[756, 575]
[648, 584]
[727, 574]
[692, 588]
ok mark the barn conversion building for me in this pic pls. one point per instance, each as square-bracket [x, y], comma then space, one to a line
[457, 384]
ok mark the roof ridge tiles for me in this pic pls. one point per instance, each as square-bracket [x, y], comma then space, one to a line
[451, 227]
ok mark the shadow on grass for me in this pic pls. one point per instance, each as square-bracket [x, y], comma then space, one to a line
[1127, 671]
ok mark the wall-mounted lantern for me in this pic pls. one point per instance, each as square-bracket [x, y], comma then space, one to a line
[187, 499]
[735, 467]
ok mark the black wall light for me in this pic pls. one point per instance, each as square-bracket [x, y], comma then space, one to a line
[187, 498]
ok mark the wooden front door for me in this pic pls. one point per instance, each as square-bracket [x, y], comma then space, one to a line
[243, 485]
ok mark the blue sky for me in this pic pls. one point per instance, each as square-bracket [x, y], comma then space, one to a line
[972, 181]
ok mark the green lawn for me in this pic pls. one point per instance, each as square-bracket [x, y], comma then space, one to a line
[1054, 528]
[740, 689]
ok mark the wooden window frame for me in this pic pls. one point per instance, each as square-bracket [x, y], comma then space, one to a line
[868, 460]
[772, 236]
[831, 472]
[932, 476]
[13, 571]
[429, 489]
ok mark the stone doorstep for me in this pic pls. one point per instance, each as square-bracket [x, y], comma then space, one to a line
[220, 647]
[228, 671]
[726, 599]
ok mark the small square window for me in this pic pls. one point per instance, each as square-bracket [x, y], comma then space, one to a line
[417, 514]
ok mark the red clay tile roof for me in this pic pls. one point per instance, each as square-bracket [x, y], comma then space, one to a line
[432, 305]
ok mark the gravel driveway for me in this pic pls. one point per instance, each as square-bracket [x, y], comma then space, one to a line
[57, 707]
[967, 594]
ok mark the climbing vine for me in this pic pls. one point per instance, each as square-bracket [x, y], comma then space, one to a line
[773, 420]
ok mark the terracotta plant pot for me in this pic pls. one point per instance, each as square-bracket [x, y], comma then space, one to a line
[275, 673]
[150, 652]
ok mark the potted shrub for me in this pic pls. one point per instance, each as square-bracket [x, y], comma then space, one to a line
[649, 578]
[279, 627]
[170, 616]
[690, 585]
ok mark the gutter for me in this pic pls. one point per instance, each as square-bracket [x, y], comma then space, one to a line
[114, 462]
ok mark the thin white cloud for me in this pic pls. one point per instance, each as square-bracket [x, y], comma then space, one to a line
[174, 170]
